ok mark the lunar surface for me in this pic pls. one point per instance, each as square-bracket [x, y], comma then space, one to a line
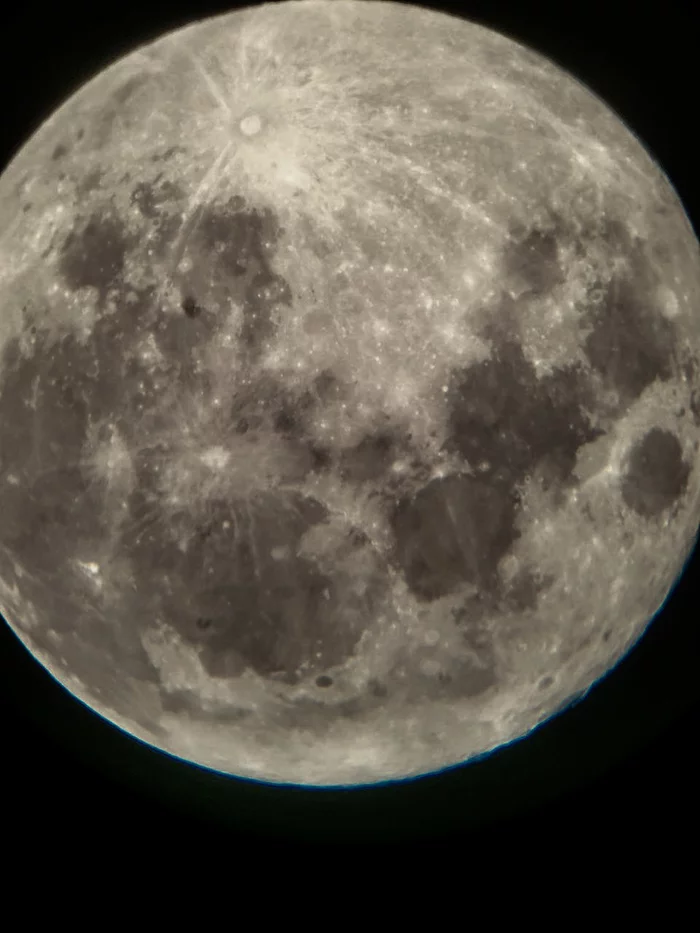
[349, 392]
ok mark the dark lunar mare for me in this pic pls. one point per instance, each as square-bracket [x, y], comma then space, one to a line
[656, 474]
[508, 424]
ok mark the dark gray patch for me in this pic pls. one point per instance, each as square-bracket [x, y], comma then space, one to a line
[524, 591]
[504, 420]
[468, 679]
[690, 370]
[59, 152]
[546, 682]
[259, 326]
[266, 401]
[44, 405]
[327, 386]
[656, 474]
[95, 255]
[150, 197]
[167, 154]
[322, 458]
[323, 680]
[695, 406]
[128, 89]
[286, 422]
[180, 336]
[534, 260]
[616, 236]
[458, 675]
[190, 307]
[241, 592]
[242, 426]
[238, 244]
[454, 531]
[370, 458]
[358, 538]
[235, 238]
[90, 182]
[377, 688]
[631, 344]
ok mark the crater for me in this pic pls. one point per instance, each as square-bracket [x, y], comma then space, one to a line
[251, 124]
[656, 475]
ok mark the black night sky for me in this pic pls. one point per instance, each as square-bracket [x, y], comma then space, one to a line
[624, 759]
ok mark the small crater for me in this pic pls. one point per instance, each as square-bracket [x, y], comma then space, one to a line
[285, 422]
[546, 682]
[321, 458]
[190, 307]
[358, 538]
[59, 152]
[324, 681]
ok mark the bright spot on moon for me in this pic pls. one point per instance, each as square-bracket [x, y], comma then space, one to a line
[251, 125]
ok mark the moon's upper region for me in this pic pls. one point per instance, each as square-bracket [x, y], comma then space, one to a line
[349, 391]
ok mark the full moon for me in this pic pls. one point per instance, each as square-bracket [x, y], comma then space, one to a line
[349, 392]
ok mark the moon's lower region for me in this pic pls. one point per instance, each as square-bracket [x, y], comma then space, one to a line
[349, 391]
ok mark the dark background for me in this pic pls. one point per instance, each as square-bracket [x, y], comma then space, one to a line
[618, 769]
